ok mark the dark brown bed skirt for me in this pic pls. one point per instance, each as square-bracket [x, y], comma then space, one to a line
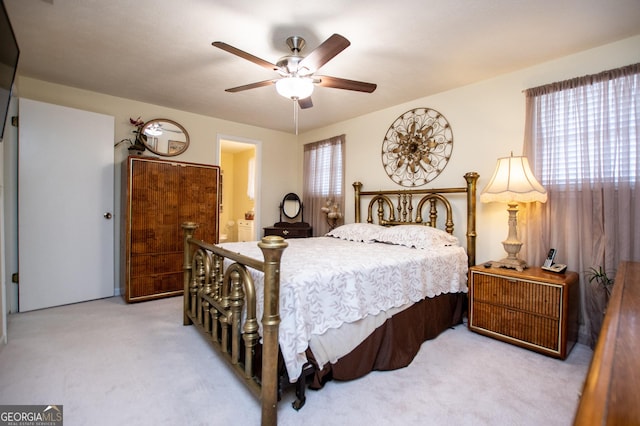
[394, 344]
[391, 346]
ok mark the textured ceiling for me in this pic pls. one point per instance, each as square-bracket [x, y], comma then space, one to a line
[159, 51]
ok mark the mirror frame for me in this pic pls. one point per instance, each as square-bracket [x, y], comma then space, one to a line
[171, 151]
[291, 197]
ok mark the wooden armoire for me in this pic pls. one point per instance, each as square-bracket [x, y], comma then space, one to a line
[157, 197]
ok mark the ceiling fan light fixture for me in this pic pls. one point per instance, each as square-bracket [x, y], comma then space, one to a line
[295, 87]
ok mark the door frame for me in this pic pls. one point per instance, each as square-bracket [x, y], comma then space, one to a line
[9, 218]
[258, 171]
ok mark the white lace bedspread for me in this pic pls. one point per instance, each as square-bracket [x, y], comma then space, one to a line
[325, 282]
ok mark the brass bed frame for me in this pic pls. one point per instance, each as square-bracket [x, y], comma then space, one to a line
[215, 298]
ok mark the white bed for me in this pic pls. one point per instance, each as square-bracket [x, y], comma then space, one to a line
[320, 292]
[360, 300]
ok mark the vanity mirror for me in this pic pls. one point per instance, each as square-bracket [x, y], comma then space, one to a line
[291, 209]
[164, 137]
[291, 206]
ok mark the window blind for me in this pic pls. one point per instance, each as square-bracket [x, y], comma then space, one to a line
[589, 133]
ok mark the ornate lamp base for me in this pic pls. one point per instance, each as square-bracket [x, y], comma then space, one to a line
[517, 264]
[512, 244]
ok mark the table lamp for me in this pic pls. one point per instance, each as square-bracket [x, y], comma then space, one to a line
[513, 182]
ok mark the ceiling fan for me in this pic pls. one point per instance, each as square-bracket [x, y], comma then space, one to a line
[298, 72]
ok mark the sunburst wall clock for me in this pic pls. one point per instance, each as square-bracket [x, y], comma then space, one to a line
[417, 147]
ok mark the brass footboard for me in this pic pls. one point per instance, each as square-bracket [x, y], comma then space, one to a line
[214, 301]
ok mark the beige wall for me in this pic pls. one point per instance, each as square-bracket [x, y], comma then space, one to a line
[487, 119]
[275, 147]
[203, 132]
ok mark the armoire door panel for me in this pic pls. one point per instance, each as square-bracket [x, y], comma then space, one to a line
[199, 191]
[159, 196]
[154, 206]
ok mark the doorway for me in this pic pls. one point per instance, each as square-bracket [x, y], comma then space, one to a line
[239, 161]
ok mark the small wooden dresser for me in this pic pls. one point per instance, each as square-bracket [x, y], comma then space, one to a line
[289, 230]
[534, 309]
[291, 208]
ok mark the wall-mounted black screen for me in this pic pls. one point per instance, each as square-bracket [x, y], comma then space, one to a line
[9, 53]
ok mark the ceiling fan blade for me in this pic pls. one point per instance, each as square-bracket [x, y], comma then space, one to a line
[324, 53]
[251, 86]
[244, 55]
[305, 103]
[343, 83]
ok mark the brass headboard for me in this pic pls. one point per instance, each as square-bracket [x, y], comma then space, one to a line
[403, 212]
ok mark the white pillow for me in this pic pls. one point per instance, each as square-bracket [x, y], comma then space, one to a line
[418, 236]
[361, 232]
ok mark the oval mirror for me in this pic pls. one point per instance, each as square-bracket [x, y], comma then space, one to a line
[164, 137]
[291, 205]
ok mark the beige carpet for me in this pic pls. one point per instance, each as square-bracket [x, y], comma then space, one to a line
[109, 363]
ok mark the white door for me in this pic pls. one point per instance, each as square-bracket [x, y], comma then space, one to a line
[65, 204]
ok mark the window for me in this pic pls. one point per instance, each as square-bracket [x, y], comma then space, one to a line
[586, 129]
[323, 171]
[582, 136]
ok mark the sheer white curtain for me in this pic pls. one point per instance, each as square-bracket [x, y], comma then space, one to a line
[323, 180]
[581, 137]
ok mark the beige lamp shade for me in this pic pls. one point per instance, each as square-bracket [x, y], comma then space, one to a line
[512, 181]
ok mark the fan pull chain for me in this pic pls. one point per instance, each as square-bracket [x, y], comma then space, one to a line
[295, 113]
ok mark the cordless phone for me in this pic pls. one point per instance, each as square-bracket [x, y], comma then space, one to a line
[549, 260]
[548, 264]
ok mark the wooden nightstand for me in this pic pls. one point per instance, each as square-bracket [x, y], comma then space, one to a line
[534, 309]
